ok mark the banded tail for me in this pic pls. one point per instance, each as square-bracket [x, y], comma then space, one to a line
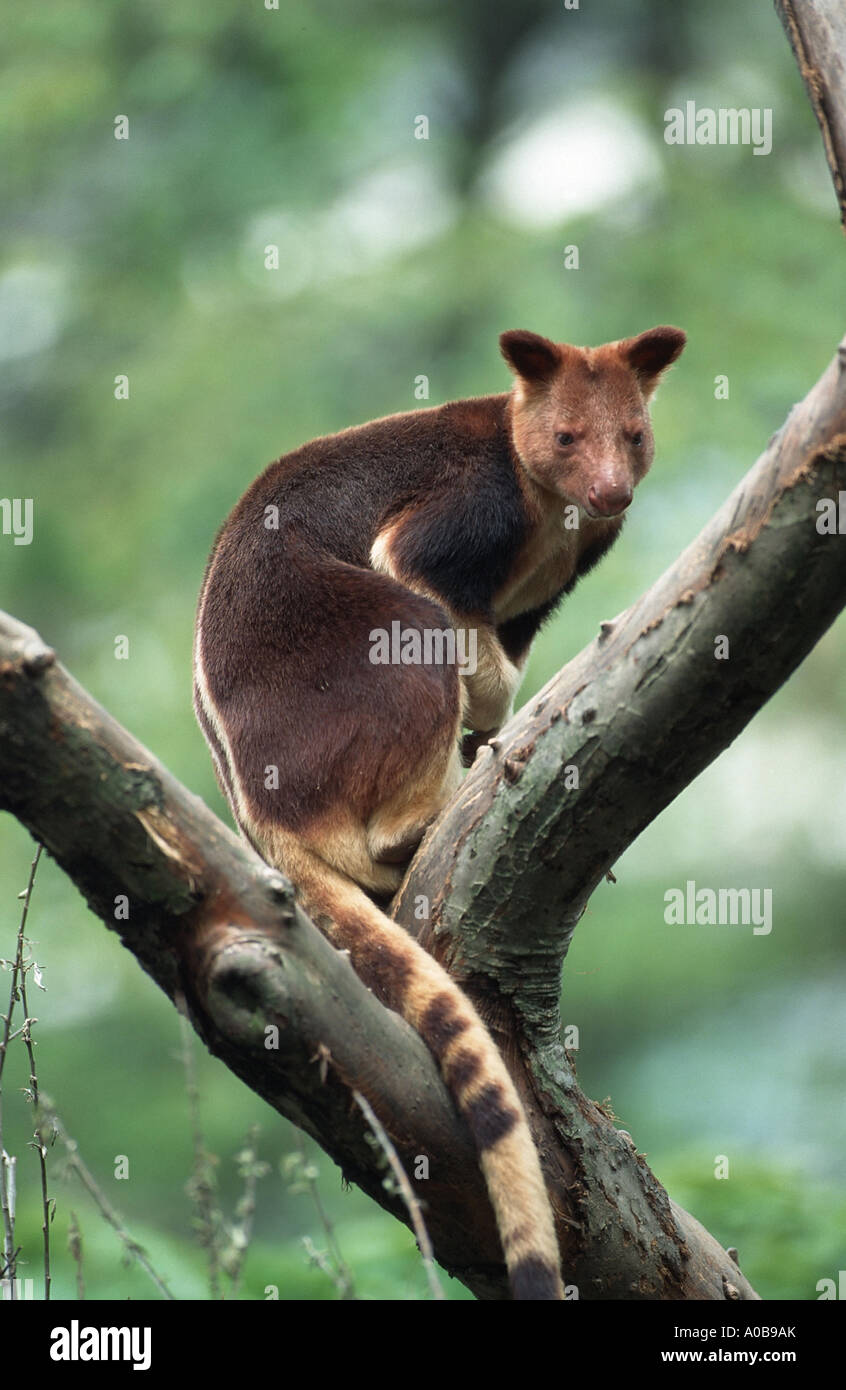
[468, 1059]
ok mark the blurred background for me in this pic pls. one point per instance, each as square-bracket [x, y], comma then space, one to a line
[400, 257]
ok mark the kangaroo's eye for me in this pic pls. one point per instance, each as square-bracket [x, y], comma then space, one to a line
[637, 439]
[564, 439]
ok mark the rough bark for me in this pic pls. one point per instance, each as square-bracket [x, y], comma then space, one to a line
[816, 30]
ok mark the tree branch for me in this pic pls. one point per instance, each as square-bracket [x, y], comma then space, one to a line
[816, 30]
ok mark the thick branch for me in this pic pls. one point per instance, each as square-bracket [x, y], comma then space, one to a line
[817, 33]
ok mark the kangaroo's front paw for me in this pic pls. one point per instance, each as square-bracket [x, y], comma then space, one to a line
[472, 742]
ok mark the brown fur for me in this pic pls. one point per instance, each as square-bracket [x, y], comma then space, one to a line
[449, 518]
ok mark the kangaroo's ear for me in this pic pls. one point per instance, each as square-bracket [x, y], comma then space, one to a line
[529, 355]
[651, 353]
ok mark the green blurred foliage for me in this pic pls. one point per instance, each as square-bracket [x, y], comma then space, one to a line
[398, 257]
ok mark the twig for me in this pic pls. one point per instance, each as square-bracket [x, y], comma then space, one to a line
[250, 1169]
[37, 1141]
[407, 1193]
[226, 1243]
[7, 1198]
[341, 1275]
[318, 1258]
[75, 1248]
[137, 1252]
[201, 1184]
[17, 990]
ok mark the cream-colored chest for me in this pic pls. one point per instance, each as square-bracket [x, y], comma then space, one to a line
[544, 566]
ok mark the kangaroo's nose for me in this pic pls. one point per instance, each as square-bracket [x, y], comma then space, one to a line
[609, 498]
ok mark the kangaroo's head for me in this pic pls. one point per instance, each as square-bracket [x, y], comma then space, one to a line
[579, 416]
